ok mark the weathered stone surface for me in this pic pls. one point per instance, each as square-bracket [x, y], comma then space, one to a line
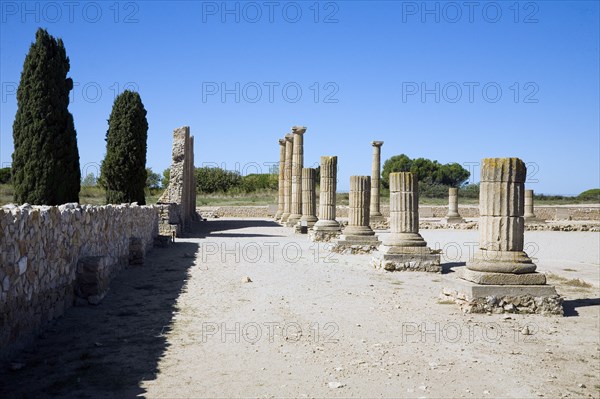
[182, 183]
[47, 243]
[404, 248]
[281, 181]
[453, 216]
[297, 165]
[501, 224]
[309, 197]
[287, 187]
[500, 278]
[358, 234]
[481, 298]
[529, 214]
[375, 212]
[424, 261]
[327, 201]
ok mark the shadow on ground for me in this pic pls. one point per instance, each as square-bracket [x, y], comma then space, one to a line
[570, 306]
[214, 227]
[106, 351]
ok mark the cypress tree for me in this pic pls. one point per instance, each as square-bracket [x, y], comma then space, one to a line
[123, 172]
[45, 167]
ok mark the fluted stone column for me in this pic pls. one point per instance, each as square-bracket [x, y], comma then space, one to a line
[501, 226]
[297, 165]
[404, 248]
[281, 185]
[453, 216]
[501, 278]
[529, 214]
[357, 236]
[358, 210]
[375, 212]
[404, 213]
[327, 199]
[287, 186]
[309, 197]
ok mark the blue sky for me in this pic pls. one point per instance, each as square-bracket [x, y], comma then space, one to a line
[441, 80]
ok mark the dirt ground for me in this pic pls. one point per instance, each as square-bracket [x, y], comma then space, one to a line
[314, 324]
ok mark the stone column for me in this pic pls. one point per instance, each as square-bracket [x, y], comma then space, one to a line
[297, 164]
[358, 210]
[357, 236]
[281, 188]
[375, 212]
[501, 278]
[404, 211]
[529, 212]
[501, 224]
[287, 186]
[404, 248]
[309, 197]
[327, 199]
[453, 216]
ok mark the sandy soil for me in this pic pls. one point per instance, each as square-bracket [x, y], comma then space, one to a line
[314, 324]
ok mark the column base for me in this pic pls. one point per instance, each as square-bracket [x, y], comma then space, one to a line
[323, 235]
[278, 215]
[485, 278]
[292, 220]
[355, 244]
[421, 259]
[284, 218]
[452, 220]
[516, 262]
[501, 298]
[533, 220]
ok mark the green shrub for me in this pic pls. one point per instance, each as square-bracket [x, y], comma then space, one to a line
[590, 195]
[5, 175]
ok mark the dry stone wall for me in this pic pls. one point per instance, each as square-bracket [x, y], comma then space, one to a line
[48, 254]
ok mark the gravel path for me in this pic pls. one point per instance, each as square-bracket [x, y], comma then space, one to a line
[189, 323]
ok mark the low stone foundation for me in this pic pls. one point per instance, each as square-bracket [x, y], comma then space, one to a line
[408, 262]
[521, 299]
[352, 245]
[323, 236]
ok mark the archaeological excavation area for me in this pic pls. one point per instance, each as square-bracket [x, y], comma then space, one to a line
[305, 298]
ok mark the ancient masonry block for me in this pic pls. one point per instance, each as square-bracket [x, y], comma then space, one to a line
[182, 185]
[375, 212]
[287, 184]
[327, 228]
[297, 165]
[357, 236]
[281, 181]
[501, 277]
[453, 216]
[404, 248]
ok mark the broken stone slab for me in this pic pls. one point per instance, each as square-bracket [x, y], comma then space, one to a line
[487, 298]
[489, 278]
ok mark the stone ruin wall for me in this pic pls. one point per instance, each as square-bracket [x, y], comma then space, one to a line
[178, 202]
[49, 255]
